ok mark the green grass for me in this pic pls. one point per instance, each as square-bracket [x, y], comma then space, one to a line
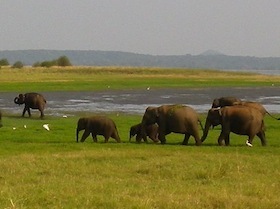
[100, 78]
[48, 169]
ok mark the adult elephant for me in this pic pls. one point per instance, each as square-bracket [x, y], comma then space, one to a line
[151, 131]
[225, 101]
[33, 101]
[172, 118]
[1, 119]
[97, 125]
[238, 119]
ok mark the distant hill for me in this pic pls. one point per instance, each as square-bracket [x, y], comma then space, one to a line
[207, 60]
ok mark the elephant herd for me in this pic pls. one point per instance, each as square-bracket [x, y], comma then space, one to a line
[234, 115]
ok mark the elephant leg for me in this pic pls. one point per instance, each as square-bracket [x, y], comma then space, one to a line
[162, 138]
[94, 138]
[139, 138]
[261, 135]
[29, 113]
[23, 112]
[221, 139]
[155, 139]
[227, 139]
[186, 139]
[116, 136]
[85, 135]
[42, 113]
[197, 138]
[106, 139]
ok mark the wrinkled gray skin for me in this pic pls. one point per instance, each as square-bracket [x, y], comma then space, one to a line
[33, 101]
[151, 131]
[1, 119]
[97, 125]
[238, 119]
[172, 118]
[225, 101]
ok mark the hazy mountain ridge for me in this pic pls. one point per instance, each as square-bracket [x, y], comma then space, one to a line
[208, 60]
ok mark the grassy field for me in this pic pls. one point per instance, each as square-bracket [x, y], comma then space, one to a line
[48, 169]
[100, 78]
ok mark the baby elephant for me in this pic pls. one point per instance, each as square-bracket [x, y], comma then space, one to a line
[151, 130]
[97, 125]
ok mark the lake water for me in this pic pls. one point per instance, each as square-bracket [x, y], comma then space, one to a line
[135, 102]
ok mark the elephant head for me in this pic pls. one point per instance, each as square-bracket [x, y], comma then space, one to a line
[150, 117]
[20, 99]
[82, 123]
[225, 101]
[151, 131]
[134, 130]
[213, 119]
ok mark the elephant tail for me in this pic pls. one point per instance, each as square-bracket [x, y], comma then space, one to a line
[272, 116]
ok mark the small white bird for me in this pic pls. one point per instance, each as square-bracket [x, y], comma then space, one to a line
[24, 126]
[46, 126]
[148, 88]
[248, 144]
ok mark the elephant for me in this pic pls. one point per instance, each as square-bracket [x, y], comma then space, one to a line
[151, 131]
[238, 119]
[97, 125]
[31, 100]
[225, 101]
[172, 118]
[1, 119]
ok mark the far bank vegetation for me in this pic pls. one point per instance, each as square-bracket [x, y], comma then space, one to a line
[62, 61]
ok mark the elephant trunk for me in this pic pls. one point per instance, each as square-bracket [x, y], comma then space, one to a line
[130, 136]
[77, 135]
[143, 131]
[16, 100]
[206, 129]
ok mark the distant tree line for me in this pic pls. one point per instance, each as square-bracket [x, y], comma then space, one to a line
[62, 61]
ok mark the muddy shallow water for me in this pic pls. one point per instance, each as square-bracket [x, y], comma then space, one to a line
[136, 101]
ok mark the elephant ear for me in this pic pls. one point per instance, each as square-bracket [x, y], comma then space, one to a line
[21, 97]
[215, 103]
[157, 112]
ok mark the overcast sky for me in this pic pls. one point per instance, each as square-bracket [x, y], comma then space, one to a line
[158, 27]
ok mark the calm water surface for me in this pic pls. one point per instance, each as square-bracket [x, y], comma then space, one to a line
[135, 102]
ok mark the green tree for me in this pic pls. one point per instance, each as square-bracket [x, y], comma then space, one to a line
[48, 63]
[63, 61]
[4, 62]
[18, 64]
